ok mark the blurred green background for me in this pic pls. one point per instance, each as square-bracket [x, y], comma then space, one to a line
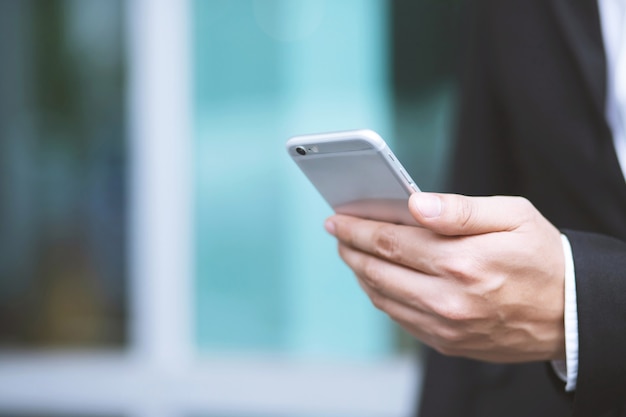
[264, 279]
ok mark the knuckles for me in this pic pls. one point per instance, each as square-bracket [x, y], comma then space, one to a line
[462, 267]
[525, 209]
[448, 340]
[386, 243]
[449, 336]
[373, 275]
[454, 310]
[523, 203]
[465, 212]
[368, 269]
[453, 332]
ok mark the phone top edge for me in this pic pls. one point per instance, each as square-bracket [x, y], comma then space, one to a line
[368, 135]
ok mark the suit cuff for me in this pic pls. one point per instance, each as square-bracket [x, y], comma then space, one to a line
[567, 370]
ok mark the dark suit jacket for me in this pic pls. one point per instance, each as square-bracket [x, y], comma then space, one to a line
[532, 123]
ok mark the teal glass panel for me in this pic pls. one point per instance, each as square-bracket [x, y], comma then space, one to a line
[268, 278]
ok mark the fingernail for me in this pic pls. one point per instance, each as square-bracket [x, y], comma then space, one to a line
[428, 205]
[330, 227]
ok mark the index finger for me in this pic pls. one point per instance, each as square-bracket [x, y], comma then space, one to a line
[411, 246]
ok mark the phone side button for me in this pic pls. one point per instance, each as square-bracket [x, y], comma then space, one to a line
[406, 176]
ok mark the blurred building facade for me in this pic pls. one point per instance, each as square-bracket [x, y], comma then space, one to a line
[160, 255]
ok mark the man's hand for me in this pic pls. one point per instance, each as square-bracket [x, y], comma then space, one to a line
[483, 278]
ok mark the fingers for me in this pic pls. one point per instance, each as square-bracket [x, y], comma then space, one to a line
[420, 304]
[433, 248]
[471, 282]
[456, 215]
[413, 247]
[384, 281]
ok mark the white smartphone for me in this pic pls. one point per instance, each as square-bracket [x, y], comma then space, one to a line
[356, 173]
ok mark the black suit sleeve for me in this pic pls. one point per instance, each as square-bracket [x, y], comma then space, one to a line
[600, 267]
[525, 128]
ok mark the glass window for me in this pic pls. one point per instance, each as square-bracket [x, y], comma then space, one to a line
[62, 174]
[118, 117]
[268, 276]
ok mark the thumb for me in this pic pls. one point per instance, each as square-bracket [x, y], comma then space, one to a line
[454, 215]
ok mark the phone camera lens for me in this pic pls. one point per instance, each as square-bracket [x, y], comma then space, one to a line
[301, 150]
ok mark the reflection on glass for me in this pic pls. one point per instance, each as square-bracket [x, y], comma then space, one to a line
[62, 174]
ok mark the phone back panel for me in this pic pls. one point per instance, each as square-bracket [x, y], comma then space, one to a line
[361, 179]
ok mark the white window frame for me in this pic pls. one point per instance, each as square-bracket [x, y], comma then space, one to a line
[162, 375]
